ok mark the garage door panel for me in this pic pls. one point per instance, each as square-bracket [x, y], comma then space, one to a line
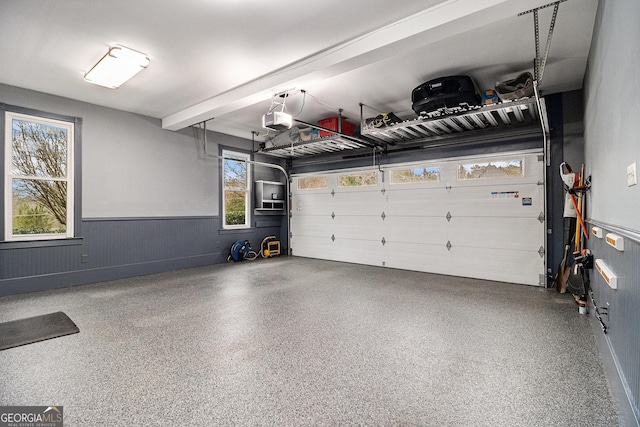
[416, 229]
[465, 203]
[358, 203]
[358, 227]
[522, 267]
[313, 247]
[398, 194]
[428, 201]
[461, 209]
[419, 207]
[464, 189]
[341, 249]
[359, 251]
[312, 203]
[528, 203]
[508, 233]
[311, 224]
[431, 258]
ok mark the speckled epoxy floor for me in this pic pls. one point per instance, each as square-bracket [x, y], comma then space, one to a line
[295, 341]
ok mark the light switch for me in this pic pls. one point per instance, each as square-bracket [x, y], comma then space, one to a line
[632, 177]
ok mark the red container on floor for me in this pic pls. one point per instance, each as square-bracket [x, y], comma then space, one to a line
[348, 128]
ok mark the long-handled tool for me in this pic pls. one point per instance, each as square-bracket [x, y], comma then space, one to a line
[578, 206]
[574, 182]
[582, 226]
[576, 279]
[570, 180]
[563, 272]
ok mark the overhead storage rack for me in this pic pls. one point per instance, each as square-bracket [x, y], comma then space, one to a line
[441, 124]
[450, 122]
[329, 144]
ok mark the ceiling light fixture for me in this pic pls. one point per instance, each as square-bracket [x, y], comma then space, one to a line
[116, 67]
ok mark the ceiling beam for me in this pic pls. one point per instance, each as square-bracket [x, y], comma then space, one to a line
[445, 20]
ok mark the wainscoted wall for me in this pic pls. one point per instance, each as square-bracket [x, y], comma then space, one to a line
[117, 248]
[611, 129]
[623, 315]
[38, 259]
[150, 201]
[122, 242]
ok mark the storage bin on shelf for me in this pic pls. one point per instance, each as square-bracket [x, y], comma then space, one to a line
[348, 128]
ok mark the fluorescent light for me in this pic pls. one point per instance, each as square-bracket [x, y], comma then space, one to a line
[116, 67]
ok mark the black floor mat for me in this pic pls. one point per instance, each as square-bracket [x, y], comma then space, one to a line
[33, 329]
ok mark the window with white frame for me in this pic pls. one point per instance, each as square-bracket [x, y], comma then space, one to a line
[313, 183]
[416, 174]
[38, 177]
[512, 168]
[361, 179]
[236, 194]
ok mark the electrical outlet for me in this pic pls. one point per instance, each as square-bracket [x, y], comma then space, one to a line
[632, 178]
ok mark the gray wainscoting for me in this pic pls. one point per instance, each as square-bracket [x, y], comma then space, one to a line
[622, 318]
[116, 248]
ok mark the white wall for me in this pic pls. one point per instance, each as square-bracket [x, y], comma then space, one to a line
[612, 114]
[131, 167]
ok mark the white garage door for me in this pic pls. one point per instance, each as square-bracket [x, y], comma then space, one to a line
[481, 217]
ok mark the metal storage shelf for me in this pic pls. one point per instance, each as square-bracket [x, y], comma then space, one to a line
[329, 144]
[439, 124]
[456, 121]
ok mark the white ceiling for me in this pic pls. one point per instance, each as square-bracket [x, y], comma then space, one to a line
[225, 59]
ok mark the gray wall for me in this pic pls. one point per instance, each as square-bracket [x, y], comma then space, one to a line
[132, 168]
[612, 115]
[612, 141]
[150, 202]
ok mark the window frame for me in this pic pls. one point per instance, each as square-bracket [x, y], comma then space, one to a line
[73, 179]
[325, 179]
[361, 174]
[489, 162]
[412, 168]
[239, 155]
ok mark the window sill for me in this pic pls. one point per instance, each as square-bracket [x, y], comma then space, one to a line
[235, 230]
[40, 243]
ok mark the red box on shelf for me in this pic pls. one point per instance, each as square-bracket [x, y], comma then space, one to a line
[348, 128]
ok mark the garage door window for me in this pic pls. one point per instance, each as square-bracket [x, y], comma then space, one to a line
[491, 170]
[415, 175]
[313, 183]
[358, 179]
